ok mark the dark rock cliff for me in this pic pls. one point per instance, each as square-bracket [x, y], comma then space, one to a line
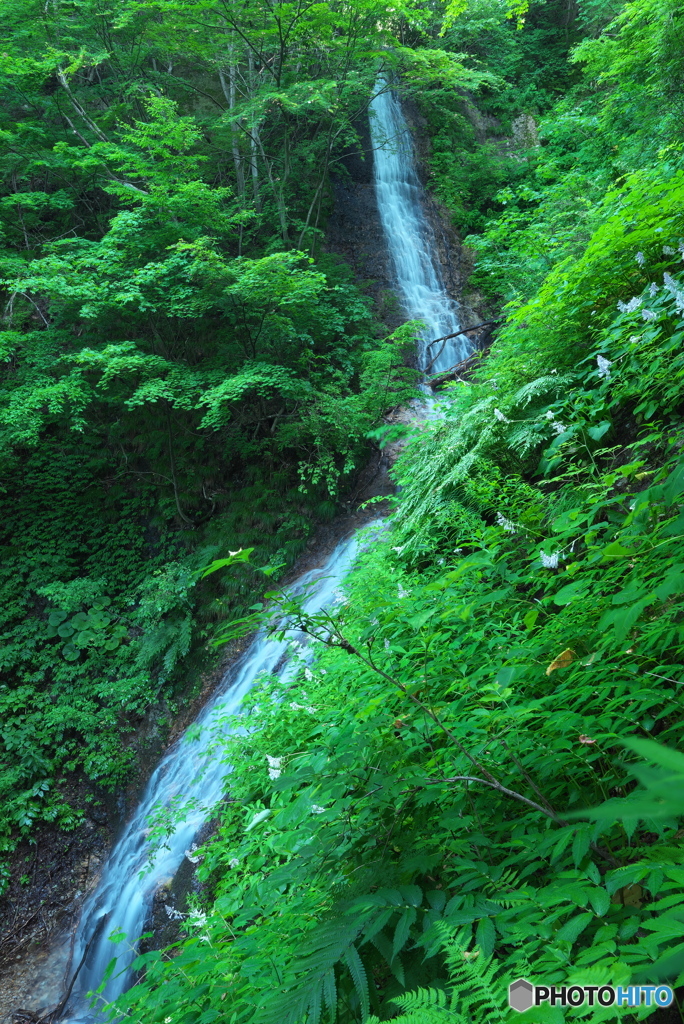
[354, 230]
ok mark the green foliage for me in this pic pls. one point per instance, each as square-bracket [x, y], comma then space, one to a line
[181, 367]
[476, 777]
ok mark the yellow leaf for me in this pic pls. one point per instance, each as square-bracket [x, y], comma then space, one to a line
[562, 661]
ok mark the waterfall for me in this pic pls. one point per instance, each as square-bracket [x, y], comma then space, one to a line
[409, 236]
[193, 772]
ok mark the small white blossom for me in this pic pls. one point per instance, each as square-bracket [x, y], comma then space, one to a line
[631, 306]
[549, 414]
[401, 593]
[308, 675]
[559, 427]
[670, 283]
[197, 918]
[274, 771]
[500, 416]
[604, 366]
[174, 914]
[640, 258]
[375, 622]
[387, 644]
[549, 561]
[167, 1020]
[507, 525]
[190, 854]
[440, 561]
[233, 862]
[302, 707]
[315, 809]
[398, 550]
[668, 250]
[653, 289]
[648, 315]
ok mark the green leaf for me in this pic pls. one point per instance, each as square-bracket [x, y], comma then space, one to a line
[573, 928]
[485, 936]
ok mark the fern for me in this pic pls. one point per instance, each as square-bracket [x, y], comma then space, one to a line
[542, 387]
[323, 949]
[476, 992]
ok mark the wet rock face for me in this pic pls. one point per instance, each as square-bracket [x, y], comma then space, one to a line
[354, 229]
[355, 232]
[37, 914]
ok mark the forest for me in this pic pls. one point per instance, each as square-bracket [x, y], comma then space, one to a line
[475, 772]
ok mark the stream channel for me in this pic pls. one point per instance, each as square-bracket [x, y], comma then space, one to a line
[191, 770]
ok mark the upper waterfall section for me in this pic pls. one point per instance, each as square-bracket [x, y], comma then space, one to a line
[409, 236]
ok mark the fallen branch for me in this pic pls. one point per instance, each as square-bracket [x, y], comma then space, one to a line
[456, 334]
[453, 373]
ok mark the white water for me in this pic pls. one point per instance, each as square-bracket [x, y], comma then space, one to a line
[409, 236]
[191, 770]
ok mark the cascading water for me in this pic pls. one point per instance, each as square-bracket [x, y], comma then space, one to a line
[410, 238]
[191, 770]
[193, 773]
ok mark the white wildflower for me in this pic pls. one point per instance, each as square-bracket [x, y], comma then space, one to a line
[648, 315]
[387, 644]
[197, 918]
[668, 250]
[315, 809]
[174, 914]
[635, 339]
[653, 289]
[549, 414]
[507, 525]
[274, 771]
[559, 427]
[302, 707]
[670, 283]
[308, 675]
[500, 416]
[167, 1020]
[401, 593]
[375, 622]
[640, 258]
[440, 561]
[631, 306]
[398, 550]
[190, 854]
[604, 366]
[549, 561]
[233, 862]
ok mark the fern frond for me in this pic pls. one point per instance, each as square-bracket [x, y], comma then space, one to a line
[358, 973]
[547, 386]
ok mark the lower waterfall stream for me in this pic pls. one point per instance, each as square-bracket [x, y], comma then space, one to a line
[189, 771]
